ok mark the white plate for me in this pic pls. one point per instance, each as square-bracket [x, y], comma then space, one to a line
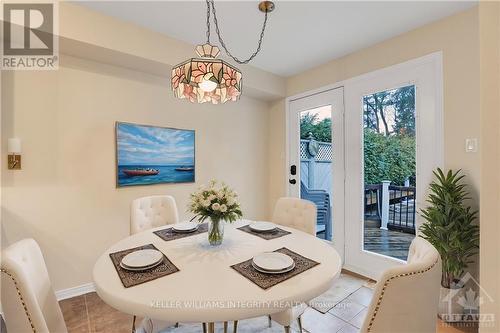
[272, 261]
[185, 227]
[286, 270]
[262, 226]
[137, 269]
[142, 258]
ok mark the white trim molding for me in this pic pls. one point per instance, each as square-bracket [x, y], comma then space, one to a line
[69, 293]
[425, 74]
[334, 98]
[75, 291]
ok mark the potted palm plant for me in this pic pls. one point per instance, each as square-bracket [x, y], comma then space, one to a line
[451, 228]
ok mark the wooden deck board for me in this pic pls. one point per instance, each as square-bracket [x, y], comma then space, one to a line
[387, 242]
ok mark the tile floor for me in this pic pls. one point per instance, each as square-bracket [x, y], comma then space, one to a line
[342, 310]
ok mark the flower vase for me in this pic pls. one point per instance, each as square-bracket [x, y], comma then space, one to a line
[215, 231]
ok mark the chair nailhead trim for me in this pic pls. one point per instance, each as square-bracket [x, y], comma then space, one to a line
[379, 301]
[20, 298]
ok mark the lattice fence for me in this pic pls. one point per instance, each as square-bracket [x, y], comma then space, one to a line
[324, 152]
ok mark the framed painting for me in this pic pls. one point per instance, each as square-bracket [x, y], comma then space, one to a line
[147, 155]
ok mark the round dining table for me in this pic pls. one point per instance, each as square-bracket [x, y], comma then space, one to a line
[206, 289]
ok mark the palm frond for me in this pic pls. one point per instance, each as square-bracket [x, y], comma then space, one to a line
[450, 224]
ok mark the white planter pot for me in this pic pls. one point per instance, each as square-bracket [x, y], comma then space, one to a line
[449, 309]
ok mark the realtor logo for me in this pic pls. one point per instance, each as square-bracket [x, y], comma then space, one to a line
[462, 305]
[29, 36]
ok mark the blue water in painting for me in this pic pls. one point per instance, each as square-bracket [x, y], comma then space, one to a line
[167, 174]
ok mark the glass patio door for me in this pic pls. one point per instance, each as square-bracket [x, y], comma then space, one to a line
[394, 141]
[316, 164]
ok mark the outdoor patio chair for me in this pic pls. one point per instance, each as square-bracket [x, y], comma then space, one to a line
[321, 199]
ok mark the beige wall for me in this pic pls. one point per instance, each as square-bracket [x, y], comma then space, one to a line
[65, 196]
[457, 38]
[276, 154]
[490, 159]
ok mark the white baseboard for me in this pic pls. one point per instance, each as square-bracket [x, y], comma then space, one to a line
[70, 292]
[75, 291]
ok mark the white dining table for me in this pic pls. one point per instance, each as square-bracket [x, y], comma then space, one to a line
[206, 289]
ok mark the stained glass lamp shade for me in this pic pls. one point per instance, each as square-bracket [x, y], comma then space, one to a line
[206, 79]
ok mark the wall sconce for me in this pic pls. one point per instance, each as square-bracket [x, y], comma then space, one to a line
[14, 149]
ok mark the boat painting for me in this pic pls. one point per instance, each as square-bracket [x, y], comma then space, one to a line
[148, 155]
[184, 169]
[141, 172]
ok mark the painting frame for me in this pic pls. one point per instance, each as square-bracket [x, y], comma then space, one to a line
[118, 184]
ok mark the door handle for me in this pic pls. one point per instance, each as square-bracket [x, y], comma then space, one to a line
[292, 181]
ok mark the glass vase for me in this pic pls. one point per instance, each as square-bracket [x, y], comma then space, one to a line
[215, 231]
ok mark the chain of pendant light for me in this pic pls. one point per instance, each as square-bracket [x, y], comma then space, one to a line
[211, 8]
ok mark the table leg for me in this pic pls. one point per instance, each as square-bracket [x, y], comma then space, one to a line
[235, 327]
[133, 324]
[204, 327]
[225, 327]
[211, 327]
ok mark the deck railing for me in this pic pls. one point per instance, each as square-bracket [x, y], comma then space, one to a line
[402, 208]
[372, 201]
[393, 206]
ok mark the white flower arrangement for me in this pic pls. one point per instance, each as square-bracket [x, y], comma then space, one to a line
[218, 202]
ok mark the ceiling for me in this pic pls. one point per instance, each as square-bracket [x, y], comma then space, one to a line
[300, 34]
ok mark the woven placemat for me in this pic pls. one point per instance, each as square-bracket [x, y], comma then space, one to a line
[130, 278]
[266, 281]
[276, 233]
[169, 234]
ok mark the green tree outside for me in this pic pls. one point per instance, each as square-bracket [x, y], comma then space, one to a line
[388, 158]
[321, 130]
[389, 135]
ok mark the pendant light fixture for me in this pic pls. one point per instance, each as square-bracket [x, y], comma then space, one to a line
[208, 79]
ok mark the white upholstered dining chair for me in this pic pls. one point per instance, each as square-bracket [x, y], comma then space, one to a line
[299, 214]
[296, 213]
[151, 212]
[28, 300]
[147, 213]
[406, 297]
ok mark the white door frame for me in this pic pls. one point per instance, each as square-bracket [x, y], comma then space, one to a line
[335, 98]
[425, 73]
[434, 64]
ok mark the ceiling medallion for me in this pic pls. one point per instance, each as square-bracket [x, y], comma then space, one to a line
[208, 79]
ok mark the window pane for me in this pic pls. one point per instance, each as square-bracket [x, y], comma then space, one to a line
[316, 165]
[389, 171]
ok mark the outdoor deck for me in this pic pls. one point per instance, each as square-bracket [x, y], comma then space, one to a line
[387, 242]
